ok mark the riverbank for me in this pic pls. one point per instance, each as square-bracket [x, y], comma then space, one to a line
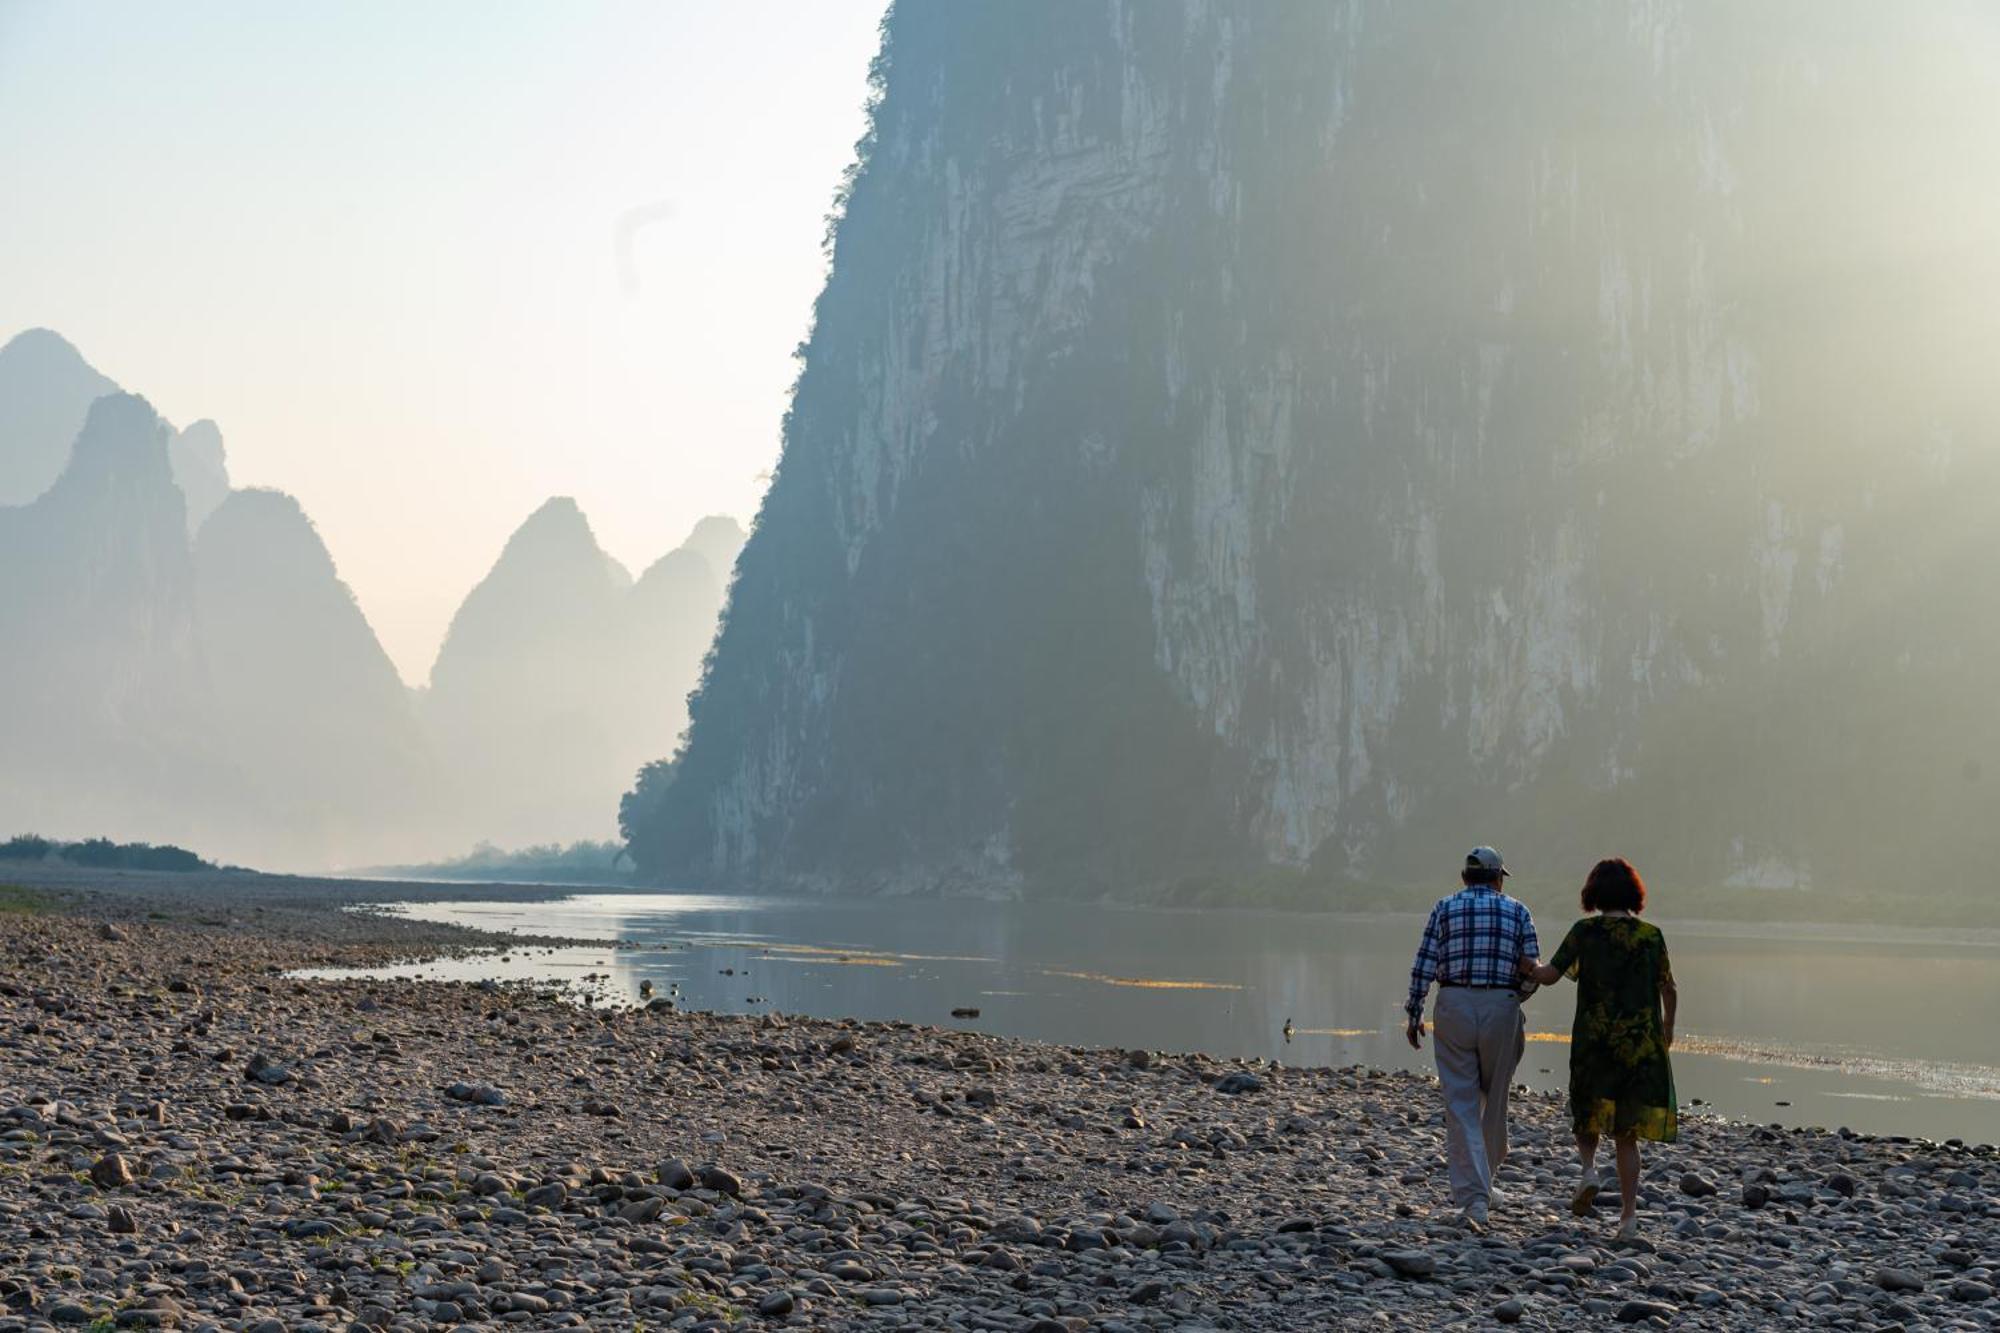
[190, 1139]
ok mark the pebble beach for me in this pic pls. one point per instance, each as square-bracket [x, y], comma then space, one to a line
[191, 1138]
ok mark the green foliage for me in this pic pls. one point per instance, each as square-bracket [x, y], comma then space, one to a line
[26, 847]
[103, 854]
[581, 861]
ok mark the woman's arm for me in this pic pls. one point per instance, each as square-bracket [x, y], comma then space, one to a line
[1545, 974]
[1670, 997]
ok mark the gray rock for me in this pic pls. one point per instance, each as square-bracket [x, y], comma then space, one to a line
[1411, 1263]
[644, 1210]
[721, 1181]
[119, 1221]
[1510, 1310]
[776, 1304]
[1240, 1082]
[263, 1069]
[1638, 1312]
[1755, 1196]
[1696, 1186]
[1898, 1279]
[552, 1195]
[674, 1174]
[1970, 1292]
[111, 1172]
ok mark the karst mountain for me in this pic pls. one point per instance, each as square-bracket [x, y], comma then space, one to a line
[1241, 441]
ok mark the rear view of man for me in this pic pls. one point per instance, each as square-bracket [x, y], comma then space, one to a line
[1472, 947]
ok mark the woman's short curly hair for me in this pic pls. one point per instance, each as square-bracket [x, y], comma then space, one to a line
[1614, 886]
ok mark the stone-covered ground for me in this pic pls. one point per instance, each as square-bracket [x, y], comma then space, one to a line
[190, 1139]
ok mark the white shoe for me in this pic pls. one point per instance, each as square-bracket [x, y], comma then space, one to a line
[1474, 1215]
[1496, 1197]
[1585, 1198]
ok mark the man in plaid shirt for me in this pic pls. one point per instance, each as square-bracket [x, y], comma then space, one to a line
[1472, 947]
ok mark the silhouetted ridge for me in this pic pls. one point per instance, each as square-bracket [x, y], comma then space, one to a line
[560, 676]
[308, 701]
[201, 468]
[718, 539]
[46, 388]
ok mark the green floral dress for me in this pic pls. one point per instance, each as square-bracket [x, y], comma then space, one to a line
[1620, 1081]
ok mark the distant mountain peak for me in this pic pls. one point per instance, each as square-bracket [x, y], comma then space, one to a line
[201, 467]
[123, 441]
[558, 537]
[273, 525]
[42, 343]
[718, 539]
[46, 387]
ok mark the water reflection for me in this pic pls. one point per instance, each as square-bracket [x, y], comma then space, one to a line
[1888, 1038]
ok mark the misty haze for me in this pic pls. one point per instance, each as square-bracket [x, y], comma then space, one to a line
[1000, 664]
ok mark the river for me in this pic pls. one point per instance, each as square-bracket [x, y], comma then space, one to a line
[1886, 1034]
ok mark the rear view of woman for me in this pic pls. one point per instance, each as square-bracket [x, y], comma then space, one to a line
[1620, 1081]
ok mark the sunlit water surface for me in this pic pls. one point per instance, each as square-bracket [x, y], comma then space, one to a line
[1793, 1027]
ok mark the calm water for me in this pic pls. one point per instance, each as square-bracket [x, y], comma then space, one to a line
[1896, 1038]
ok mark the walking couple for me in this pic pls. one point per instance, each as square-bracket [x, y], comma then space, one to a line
[1479, 946]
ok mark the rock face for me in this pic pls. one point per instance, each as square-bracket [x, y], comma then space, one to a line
[1303, 436]
[560, 676]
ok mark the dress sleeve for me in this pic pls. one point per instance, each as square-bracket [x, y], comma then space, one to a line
[1567, 954]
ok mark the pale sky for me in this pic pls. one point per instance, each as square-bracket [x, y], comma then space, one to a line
[380, 244]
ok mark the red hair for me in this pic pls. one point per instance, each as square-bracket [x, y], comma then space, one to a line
[1614, 886]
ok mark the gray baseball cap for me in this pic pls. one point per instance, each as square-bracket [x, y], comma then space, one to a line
[1485, 858]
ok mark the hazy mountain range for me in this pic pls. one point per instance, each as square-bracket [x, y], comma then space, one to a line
[1247, 440]
[184, 662]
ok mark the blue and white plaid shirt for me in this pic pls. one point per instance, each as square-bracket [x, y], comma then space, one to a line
[1476, 937]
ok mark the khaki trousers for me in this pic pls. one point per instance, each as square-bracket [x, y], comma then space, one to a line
[1477, 1037]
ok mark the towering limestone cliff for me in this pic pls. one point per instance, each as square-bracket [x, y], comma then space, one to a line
[1317, 437]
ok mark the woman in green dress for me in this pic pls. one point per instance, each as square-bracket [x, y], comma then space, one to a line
[1620, 1080]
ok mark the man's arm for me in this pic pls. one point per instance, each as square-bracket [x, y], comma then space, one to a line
[1422, 971]
[1531, 952]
